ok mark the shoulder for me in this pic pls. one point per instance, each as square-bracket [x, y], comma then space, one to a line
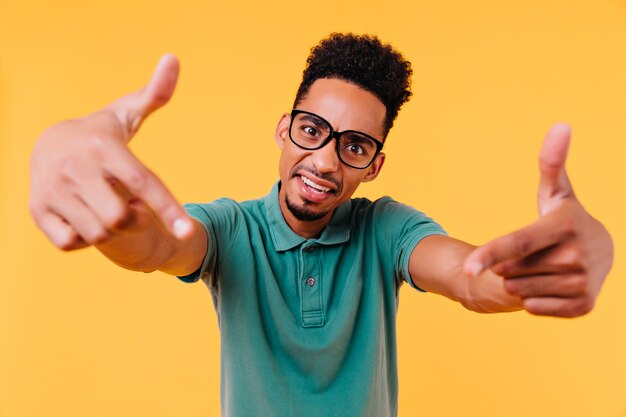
[223, 206]
[382, 208]
[390, 218]
[224, 215]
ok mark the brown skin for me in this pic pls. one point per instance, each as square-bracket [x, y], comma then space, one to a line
[346, 107]
[555, 266]
[87, 189]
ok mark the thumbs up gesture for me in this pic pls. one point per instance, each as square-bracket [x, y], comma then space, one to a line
[556, 265]
[87, 186]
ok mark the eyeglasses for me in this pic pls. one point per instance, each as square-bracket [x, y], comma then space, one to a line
[355, 149]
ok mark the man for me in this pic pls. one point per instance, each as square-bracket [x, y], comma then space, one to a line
[305, 280]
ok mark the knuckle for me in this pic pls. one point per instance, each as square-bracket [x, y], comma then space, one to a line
[35, 208]
[68, 168]
[67, 241]
[163, 203]
[66, 246]
[97, 236]
[50, 199]
[578, 307]
[577, 285]
[522, 243]
[511, 286]
[137, 180]
[569, 229]
[548, 163]
[116, 218]
[169, 210]
[533, 306]
[42, 195]
[573, 255]
[96, 146]
[586, 305]
[500, 269]
[95, 143]
[507, 268]
[39, 200]
[531, 288]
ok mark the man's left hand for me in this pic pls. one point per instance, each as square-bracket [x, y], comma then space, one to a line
[556, 265]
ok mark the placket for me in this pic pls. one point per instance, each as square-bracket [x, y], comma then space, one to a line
[311, 305]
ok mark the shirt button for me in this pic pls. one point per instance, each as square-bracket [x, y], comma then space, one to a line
[310, 281]
[309, 249]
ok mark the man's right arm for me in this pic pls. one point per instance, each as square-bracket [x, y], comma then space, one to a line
[88, 189]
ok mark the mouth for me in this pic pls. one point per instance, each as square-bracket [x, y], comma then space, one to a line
[315, 191]
[314, 186]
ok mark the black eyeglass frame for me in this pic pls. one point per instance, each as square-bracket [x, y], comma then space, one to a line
[333, 134]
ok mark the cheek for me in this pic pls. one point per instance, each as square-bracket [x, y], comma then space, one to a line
[352, 180]
[282, 167]
[288, 160]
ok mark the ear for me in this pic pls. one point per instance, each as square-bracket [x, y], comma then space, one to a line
[375, 168]
[282, 130]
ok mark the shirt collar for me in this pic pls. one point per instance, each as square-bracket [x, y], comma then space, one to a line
[336, 231]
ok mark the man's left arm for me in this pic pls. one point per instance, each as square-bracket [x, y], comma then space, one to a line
[555, 266]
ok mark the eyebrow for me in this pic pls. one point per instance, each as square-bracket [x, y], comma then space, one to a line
[357, 136]
[319, 122]
[316, 120]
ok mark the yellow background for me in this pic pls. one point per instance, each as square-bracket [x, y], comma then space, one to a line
[81, 337]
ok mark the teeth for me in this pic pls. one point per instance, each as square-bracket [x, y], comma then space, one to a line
[314, 185]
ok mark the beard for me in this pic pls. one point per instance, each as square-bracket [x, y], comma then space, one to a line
[304, 213]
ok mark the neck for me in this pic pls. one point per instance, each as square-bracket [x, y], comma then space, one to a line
[308, 229]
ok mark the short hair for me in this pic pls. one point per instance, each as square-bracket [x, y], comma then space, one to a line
[364, 61]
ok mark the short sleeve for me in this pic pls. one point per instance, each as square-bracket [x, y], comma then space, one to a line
[219, 219]
[401, 228]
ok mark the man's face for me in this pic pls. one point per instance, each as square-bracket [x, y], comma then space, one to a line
[315, 182]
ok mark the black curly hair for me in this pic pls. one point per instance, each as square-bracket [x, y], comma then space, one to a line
[365, 61]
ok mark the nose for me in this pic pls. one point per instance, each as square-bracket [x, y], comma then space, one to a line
[325, 159]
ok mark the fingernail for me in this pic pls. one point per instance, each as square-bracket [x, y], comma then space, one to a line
[182, 227]
[475, 267]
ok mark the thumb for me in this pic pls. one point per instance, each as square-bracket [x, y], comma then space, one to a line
[133, 108]
[553, 182]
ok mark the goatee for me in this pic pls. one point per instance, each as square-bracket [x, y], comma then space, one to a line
[303, 213]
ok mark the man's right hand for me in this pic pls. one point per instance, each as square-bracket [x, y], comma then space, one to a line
[88, 188]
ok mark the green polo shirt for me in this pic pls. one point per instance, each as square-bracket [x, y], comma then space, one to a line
[308, 326]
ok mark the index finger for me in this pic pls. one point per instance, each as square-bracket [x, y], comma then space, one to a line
[549, 230]
[142, 183]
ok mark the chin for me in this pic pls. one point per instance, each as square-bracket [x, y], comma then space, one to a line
[304, 213]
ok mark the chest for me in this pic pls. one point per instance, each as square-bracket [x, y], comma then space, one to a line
[309, 286]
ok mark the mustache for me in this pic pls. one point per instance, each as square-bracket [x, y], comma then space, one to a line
[316, 173]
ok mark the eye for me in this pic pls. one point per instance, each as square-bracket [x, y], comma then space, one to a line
[311, 131]
[355, 149]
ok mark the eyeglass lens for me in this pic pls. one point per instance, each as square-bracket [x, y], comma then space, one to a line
[310, 132]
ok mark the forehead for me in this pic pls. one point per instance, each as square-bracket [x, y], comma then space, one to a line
[345, 105]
